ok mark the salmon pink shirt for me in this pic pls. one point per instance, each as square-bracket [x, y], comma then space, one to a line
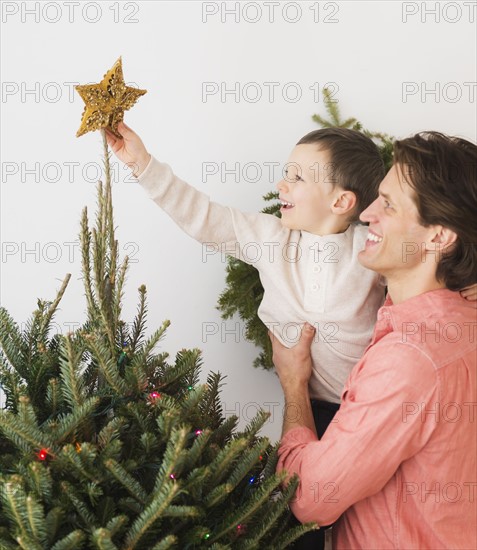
[398, 465]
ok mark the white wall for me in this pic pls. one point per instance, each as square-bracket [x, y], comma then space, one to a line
[367, 50]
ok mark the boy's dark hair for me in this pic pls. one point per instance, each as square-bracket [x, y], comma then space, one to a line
[442, 171]
[357, 165]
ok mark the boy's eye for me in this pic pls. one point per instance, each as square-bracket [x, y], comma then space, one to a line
[296, 177]
[387, 204]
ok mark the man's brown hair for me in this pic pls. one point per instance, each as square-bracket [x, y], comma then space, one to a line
[357, 165]
[442, 171]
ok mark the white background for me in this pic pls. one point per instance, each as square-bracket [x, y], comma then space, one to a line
[367, 50]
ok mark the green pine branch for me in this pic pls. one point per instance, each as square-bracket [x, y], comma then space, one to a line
[71, 362]
[131, 485]
[163, 498]
[269, 520]
[75, 539]
[250, 508]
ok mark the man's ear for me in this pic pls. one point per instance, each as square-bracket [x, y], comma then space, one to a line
[344, 202]
[440, 238]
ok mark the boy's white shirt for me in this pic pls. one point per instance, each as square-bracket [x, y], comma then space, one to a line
[305, 277]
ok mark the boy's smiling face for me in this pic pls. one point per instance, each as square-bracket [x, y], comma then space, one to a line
[307, 193]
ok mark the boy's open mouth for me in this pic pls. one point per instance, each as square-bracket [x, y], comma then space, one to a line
[286, 205]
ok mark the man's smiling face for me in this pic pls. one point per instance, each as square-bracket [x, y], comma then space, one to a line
[395, 230]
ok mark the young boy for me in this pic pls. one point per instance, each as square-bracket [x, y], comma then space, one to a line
[307, 260]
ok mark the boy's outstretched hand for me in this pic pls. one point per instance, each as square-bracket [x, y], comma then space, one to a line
[130, 149]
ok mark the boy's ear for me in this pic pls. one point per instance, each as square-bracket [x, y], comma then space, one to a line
[344, 202]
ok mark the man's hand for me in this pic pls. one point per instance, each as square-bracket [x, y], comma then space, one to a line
[130, 149]
[293, 365]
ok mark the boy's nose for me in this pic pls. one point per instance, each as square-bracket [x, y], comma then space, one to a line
[281, 185]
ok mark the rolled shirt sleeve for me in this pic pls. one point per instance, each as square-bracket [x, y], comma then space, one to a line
[370, 436]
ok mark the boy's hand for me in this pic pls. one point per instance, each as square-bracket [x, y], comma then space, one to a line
[130, 149]
[469, 293]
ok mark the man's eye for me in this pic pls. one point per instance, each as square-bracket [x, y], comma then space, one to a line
[387, 204]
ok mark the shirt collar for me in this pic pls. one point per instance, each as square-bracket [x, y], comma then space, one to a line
[418, 307]
[337, 238]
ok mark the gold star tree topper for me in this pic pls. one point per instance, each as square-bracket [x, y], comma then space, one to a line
[106, 102]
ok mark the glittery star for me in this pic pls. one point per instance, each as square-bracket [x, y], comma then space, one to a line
[106, 102]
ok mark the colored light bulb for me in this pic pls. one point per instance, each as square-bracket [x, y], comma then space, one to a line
[43, 454]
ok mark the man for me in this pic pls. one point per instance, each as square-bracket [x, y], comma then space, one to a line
[398, 465]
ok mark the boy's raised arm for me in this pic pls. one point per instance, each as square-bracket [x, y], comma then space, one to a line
[220, 228]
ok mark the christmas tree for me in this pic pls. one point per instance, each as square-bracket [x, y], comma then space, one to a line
[105, 444]
[243, 291]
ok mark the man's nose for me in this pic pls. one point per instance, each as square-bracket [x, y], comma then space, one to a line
[369, 214]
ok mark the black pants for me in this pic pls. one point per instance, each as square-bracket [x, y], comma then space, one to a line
[323, 414]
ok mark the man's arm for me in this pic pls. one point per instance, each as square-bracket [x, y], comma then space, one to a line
[370, 435]
[293, 367]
